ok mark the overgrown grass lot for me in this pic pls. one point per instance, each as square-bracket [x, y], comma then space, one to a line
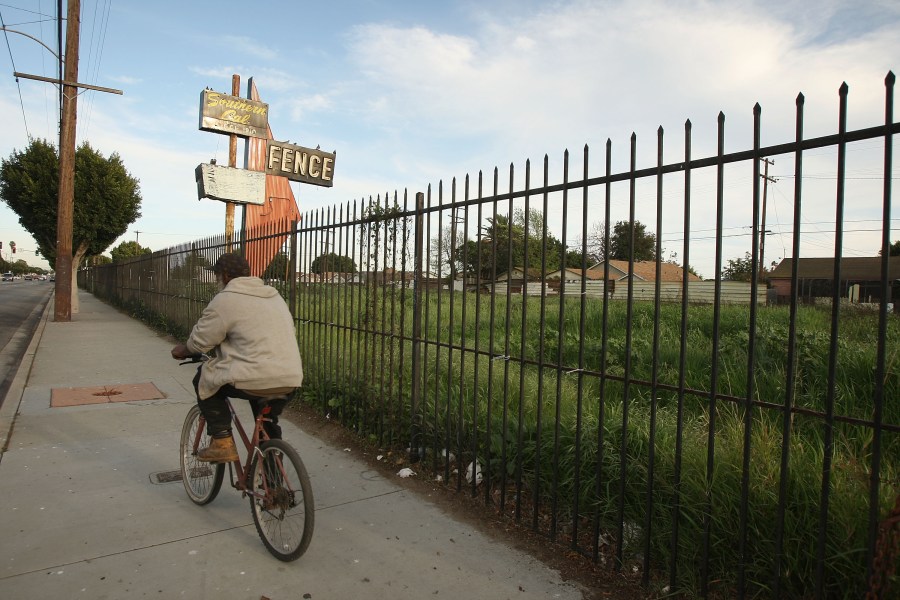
[591, 433]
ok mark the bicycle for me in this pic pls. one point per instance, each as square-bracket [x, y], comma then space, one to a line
[280, 493]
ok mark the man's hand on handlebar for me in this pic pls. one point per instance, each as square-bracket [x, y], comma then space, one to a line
[181, 352]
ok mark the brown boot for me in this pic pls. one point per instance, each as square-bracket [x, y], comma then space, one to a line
[219, 450]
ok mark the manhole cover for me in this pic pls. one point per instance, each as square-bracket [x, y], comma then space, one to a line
[123, 392]
[166, 476]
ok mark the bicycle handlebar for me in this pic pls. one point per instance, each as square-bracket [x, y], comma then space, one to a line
[195, 358]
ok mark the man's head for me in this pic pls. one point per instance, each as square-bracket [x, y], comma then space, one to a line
[230, 266]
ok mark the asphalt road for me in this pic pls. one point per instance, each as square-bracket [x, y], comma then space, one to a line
[21, 306]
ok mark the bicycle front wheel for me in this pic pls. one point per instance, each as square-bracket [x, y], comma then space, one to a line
[281, 499]
[202, 480]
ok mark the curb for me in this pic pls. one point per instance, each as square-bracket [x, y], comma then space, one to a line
[10, 407]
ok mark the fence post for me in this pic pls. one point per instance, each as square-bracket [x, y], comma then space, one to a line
[415, 380]
[292, 268]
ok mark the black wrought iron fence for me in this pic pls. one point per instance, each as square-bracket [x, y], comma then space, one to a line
[171, 287]
[685, 430]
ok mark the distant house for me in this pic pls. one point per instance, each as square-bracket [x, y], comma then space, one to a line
[860, 278]
[323, 277]
[593, 281]
[515, 279]
[644, 271]
[388, 276]
[576, 275]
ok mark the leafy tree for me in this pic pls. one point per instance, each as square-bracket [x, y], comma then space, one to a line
[893, 249]
[188, 266]
[98, 259]
[620, 242]
[107, 199]
[332, 263]
[739, 269]
[510, 239]
[574, 259]
[127, 250]
[19, 267]
[278, 268]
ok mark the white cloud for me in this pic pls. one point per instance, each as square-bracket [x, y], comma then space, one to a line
[587, 71]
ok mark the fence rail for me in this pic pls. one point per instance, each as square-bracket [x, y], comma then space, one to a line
[718, 445]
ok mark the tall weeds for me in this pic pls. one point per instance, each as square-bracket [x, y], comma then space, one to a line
[550, 437]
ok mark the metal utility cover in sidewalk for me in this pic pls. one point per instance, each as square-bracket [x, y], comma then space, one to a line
[125, 392]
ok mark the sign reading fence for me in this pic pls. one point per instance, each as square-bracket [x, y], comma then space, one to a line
[300, 164]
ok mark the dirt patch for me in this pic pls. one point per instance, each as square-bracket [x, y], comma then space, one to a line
[598, 581]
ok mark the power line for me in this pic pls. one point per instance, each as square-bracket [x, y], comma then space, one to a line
[18, 86]
[34, 12]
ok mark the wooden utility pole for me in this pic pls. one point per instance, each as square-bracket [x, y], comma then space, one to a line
[232, 162]
[762, 234]
[66, 200]
[68, 94]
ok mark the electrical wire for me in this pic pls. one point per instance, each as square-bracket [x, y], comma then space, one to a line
[18, 85]
[99, 28]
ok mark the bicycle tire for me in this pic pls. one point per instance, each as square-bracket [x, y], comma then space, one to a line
[202, 480]
[284, 514]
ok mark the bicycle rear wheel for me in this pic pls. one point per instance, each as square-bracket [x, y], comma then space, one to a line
[281, 499]
[202, 480]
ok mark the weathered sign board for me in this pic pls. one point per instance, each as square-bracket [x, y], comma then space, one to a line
[221, 113]
[230, 185]
[300, 164]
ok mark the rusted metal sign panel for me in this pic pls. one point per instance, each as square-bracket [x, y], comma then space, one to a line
[300, 164]
[231, 114]
[230, 185]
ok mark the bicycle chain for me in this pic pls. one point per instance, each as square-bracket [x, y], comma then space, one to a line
[887, 551]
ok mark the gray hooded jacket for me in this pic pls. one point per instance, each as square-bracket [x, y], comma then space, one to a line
[252, 331]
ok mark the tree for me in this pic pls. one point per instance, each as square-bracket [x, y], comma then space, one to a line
[127, 250]
[620, 242]
[739, 269]
[98, 259]
[107, 199]
[893, 249]
[509, 239]
[445, 250]
[596, 240]
[332, 263]
[191, 266]
[278, 268]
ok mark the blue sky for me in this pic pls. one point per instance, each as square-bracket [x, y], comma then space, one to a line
[412, 93]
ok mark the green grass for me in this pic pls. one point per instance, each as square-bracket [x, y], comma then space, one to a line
[359, 368]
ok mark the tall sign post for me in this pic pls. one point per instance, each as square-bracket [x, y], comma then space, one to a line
[232, 162]
[234, 116]
[248, 118]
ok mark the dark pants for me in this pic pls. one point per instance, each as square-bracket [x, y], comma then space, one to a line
[218, 418]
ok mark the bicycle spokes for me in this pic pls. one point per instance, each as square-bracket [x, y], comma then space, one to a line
[282, 500]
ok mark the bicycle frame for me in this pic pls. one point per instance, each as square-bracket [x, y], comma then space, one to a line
[251, 445]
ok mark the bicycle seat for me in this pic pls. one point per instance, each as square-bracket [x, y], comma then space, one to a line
[272, 395]
[272, 398]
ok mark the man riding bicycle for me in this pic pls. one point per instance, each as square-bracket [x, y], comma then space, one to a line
[251, 331]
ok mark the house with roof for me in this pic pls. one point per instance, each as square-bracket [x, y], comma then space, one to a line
[644, 270]
[860, 279]
[518, 277]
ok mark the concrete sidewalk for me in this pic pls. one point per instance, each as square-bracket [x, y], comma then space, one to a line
[85, 513]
